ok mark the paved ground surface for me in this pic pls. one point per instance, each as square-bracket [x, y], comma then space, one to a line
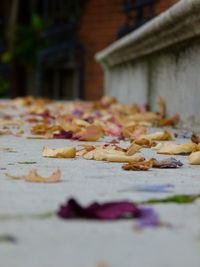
[50, 242]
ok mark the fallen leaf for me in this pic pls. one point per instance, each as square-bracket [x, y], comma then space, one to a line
[90, 133]
[159, 136]
[132, 149]
[166, 163]
[65, 152]
[195, 138]
[194, 158]
[169, 121]
[11, 123]
[146, 116]
[7, 149]
[124, 158]
[145, 142]
[138, 166]
[174, 149]
[34, 177]
[5, 132]
[110, 154]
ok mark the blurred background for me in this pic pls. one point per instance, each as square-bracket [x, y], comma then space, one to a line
[47, 47]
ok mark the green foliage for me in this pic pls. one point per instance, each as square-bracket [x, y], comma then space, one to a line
[29, 41]
[178, 199]
[4, 84]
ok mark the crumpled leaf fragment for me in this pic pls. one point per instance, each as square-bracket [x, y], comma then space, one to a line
[174, 149]
[169, 121]
[159, 136]
[106, 211]
[195, 138]
[65, 152]
[90, 133]
[145, 142]
[34, 177]
[124, 158]
[67, 124]
[148, 140]
[132, 149]
[166, 163]
[138, 166]
[132, 130]
[109, 153]
[194, 158]
[146, 117]
[45, 130]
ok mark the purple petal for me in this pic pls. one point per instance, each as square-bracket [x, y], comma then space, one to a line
[105, 211]
[63, 135]
[156, 188]
[78, 112]
[149, 218]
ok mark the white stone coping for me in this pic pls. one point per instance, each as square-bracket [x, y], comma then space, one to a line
[180, 22]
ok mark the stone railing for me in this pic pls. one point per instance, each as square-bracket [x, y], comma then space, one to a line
[160, 58]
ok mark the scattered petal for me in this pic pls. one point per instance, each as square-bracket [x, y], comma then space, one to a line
[105, 211]
[63, 135]
[149, 219]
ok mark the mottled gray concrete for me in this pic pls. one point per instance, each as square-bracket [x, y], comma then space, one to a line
[53, 242]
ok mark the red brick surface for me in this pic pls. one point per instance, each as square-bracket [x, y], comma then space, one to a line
[100, 21]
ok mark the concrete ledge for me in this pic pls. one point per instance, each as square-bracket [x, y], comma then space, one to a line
[180, 22]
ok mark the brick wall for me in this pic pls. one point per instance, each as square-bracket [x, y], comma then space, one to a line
[99, 24]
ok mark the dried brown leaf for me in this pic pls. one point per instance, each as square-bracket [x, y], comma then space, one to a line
[138, 166]
[174, 149]
[194, 158]
[65, 152]
[34, 177]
